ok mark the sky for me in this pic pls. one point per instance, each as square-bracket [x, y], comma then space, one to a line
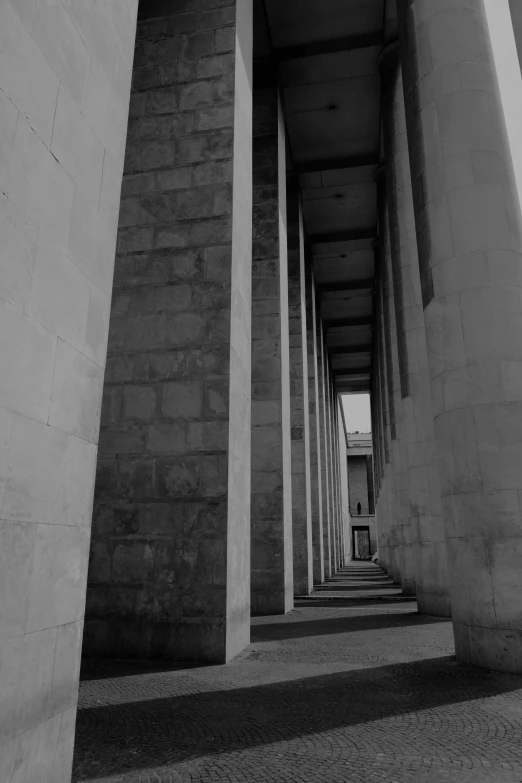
[357, 412]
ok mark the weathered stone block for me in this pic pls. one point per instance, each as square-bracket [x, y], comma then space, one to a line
[137, 333]
[207, 436]
[150, 155]
[196, 95]
[127, 368]
[120, 439]
[132, 561]
[185, 477]
[136, 477]
[139, 402]
[215, 66]
[225, 39]
[216, 399]
[166, 438]
[200, 44]
[184, 329]
[182, 400]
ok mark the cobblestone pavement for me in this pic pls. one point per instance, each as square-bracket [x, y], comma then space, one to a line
[338, 691]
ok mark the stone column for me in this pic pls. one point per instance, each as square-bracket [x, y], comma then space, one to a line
[340, 546]
[376, 445]
[169, 573]
[272, 580]
[425, 545]
[299, 397]
[385, 286]
[382, 512]
[404, 550]
[325, 477]
[64, 97]
[330, 459]
[469, 239]
[343, 477]
[314, 428]
[337, 498]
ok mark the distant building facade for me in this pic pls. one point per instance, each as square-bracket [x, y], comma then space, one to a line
[361, 534]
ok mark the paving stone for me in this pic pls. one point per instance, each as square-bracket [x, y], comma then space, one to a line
[351, 691]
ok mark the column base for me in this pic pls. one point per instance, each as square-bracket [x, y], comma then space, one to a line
[489, 648]
[302, 588]
[194, 641]
[433, 603]
[409, 587]
[273, 602]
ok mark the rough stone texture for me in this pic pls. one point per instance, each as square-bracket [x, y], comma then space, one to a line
[325, 466]
[299, 397]
[469, 236]
[340, 691]
[169, 571]
[272, 567]
[65, 73]
[316, 490]
[425, 530]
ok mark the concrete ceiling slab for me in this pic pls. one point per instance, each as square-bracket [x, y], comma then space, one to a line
[348, 64]
[295, 22]
[326, 54]
[333, 119]
[357, 265]
[341, 208]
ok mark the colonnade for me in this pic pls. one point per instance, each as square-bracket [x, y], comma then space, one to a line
[220, 473]
[219, 457]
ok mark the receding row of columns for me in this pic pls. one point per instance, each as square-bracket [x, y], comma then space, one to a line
[447, 349]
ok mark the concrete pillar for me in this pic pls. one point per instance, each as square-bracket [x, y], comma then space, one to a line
[64, 97]
[343, 477]
[383, 510]
[272, 579]
[371, 488]
[376, 419]
[395, 349]
[390, 504]
[339, 457]
[330, 459]
[169, 574]
[325, 471]
[299, 398]
[425, 546]
[314, 425]
[469, 238]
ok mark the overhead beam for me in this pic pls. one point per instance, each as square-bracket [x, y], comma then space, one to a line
[342, 236]
[365, 320]
[345, 44]
[351, 285]
[330, 164]
[352, 389]
[350, 373]
[337, 350]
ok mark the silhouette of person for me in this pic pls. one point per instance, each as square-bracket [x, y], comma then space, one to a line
[359, 508]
